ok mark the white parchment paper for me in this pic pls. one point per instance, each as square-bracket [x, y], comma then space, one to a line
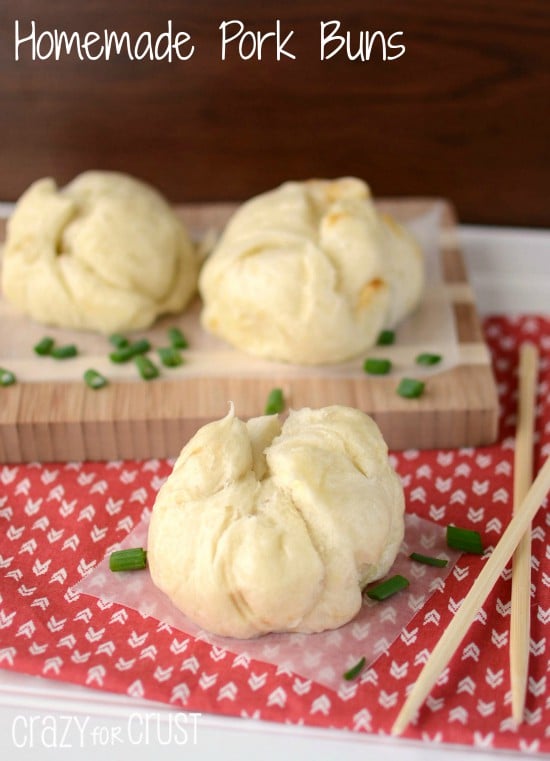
[321, 657]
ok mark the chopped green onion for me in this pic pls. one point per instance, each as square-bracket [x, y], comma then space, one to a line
[146, 368]
[128, 560]
[275, 402]
[388, 588]
[44, 346]
[64, 352]
[377, 366]
[7, 378]
[94, 380]
[410, 388]
[385, 338]
[125, 353]
[177, 339]
[428, 560]
[354, 671]
[170, 357]
[464, 539]
[428, 359]
[118, 340]
[140, 347]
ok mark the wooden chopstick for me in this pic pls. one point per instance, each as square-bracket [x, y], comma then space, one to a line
[456, 631]
[521, 568]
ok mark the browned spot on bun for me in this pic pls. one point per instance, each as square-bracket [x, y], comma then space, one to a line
[336, 216]
[369, 291]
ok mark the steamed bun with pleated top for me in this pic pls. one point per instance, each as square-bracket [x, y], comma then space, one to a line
[105, 253]
[270, 527]
[310, 273]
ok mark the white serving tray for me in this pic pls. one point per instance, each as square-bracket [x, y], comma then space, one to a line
[510, 273]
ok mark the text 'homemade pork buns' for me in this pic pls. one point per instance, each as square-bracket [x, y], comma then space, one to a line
[104, 253]
[310, 273]
[264, 528]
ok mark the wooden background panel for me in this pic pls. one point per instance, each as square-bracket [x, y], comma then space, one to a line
[463, 114]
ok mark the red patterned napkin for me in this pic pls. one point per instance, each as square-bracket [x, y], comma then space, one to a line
[59, 521]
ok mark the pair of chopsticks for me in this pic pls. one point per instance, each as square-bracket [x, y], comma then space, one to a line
[516, 539]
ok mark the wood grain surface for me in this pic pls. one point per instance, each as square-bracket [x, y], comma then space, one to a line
[463, 114]
[60, 420]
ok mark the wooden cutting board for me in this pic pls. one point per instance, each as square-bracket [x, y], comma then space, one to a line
[54, 419]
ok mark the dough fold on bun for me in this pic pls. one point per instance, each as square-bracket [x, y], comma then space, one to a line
[263, 527]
